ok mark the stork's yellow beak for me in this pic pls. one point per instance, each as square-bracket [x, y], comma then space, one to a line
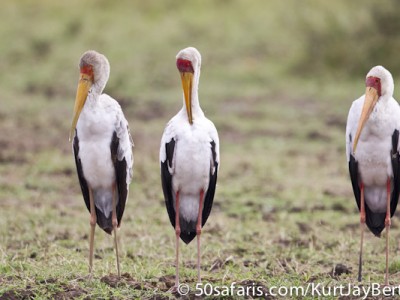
[187, 80]
[371, 98]
[84, 85]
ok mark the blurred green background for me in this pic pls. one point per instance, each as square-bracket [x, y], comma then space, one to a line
[278, 78]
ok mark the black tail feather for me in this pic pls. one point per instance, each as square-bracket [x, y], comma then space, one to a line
[187, 237]
[104, 222]
[375, 221]
[188, 230]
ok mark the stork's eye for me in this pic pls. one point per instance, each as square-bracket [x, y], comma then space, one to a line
[376, 80]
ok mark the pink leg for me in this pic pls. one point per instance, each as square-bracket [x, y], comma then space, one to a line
[93, 219]
[362, 226]
[177, 235]
[115, 226]
[387, 225]
[198, 232]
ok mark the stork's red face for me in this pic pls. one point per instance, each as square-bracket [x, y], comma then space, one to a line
[372, 95]
[185, 67]
[374, 82]
[86, 80]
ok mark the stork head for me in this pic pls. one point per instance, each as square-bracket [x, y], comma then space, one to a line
[188, 62]
[94, 72]
[379, 88]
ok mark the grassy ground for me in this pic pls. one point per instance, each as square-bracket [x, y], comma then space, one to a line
[277, 80]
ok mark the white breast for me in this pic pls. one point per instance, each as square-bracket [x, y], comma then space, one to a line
[95, 128]
[192, 160]
[373, 152]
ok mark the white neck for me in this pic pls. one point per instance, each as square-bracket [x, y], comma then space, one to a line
[92, 98]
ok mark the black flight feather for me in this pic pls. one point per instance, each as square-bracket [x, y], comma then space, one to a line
[166, 180]
[395, 157]
[209, 198]
[120, 177]
[82, 180]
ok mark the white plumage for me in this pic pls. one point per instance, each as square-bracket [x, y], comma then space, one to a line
[102, 147]
[100, 118]
[192, 159]
[375, 142]
[372, 150]
[189, 157]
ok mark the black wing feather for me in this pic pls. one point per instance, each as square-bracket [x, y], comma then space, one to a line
[120, 176]
[82, 180]
[209, 198]
[353, 169]
[395, 157]
[166, 180]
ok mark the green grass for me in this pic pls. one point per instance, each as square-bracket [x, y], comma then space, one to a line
[278, 78]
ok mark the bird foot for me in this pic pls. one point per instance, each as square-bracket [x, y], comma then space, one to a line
[173, 290]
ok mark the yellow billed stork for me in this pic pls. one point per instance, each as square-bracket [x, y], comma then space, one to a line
[102, 147]
[189, 157]
[372, 148]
